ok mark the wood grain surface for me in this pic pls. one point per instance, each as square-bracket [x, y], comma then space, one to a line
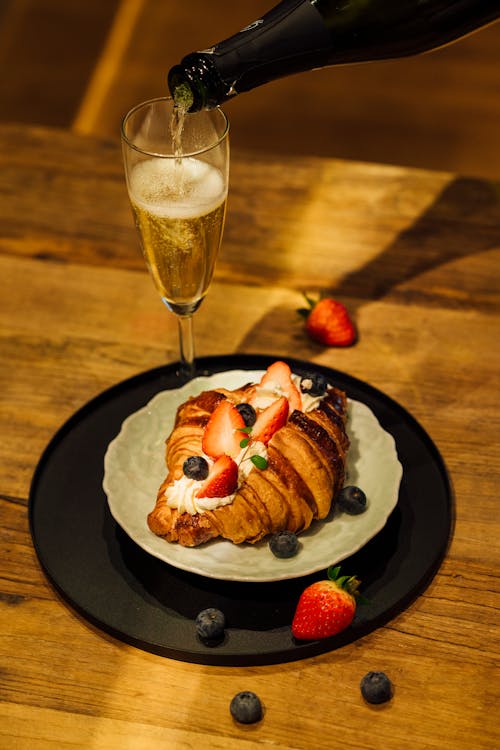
[415, 257]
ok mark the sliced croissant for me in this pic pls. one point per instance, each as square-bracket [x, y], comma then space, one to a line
[305, 470]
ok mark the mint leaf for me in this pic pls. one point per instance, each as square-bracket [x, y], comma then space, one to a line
[259, 461]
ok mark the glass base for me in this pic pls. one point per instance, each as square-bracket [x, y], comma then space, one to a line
[183, 309]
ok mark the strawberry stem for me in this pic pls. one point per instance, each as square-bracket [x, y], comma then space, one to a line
[333, 572]
[311, 301]
[348, 583]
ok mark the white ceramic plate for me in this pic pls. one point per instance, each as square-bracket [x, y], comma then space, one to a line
[134, 468]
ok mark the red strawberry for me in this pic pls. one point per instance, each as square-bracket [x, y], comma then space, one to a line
[270, 420]
[222, 434]
[328, 322]
[222, 479]
[326, 607]
[278, 377]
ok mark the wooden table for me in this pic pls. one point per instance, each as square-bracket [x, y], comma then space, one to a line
[415, 257]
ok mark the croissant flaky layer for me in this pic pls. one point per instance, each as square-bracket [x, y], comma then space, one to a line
[305, 470]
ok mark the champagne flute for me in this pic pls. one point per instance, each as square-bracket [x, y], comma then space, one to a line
[177, 171]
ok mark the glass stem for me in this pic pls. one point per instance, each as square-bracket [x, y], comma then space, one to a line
[186, 345]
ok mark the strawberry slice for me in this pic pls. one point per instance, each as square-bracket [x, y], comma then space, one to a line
[270, 420]
[222, 433]
[278, 378]
[222, 479]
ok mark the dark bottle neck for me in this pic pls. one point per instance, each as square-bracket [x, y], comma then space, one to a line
[290, 38]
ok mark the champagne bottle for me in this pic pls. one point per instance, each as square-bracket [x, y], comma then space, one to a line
[299, 35]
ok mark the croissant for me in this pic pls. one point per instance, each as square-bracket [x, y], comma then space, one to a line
[305, 470]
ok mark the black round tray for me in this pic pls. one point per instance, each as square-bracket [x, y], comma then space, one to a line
[143, 601]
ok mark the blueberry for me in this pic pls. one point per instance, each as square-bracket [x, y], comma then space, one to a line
[246, 707]
[195, 467]
[376, 687]
[210, 625]
[284, 544]
[248, 413]
[352, 500]
[314, 383]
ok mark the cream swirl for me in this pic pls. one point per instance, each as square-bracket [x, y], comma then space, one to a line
[264, 396]
[308, 402]
[182, 494]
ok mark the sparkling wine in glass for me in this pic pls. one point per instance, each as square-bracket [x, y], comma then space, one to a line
[177, 170]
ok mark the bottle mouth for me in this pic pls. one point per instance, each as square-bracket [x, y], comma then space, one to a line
[192, 78]
[181, 80]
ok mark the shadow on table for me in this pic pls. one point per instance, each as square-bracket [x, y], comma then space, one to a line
[462, 221]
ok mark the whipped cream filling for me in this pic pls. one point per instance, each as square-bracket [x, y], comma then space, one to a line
[265, 396]
[308, 402]
[182, 493]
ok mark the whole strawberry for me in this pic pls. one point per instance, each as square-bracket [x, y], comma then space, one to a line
[328, 322]
[326, 607]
